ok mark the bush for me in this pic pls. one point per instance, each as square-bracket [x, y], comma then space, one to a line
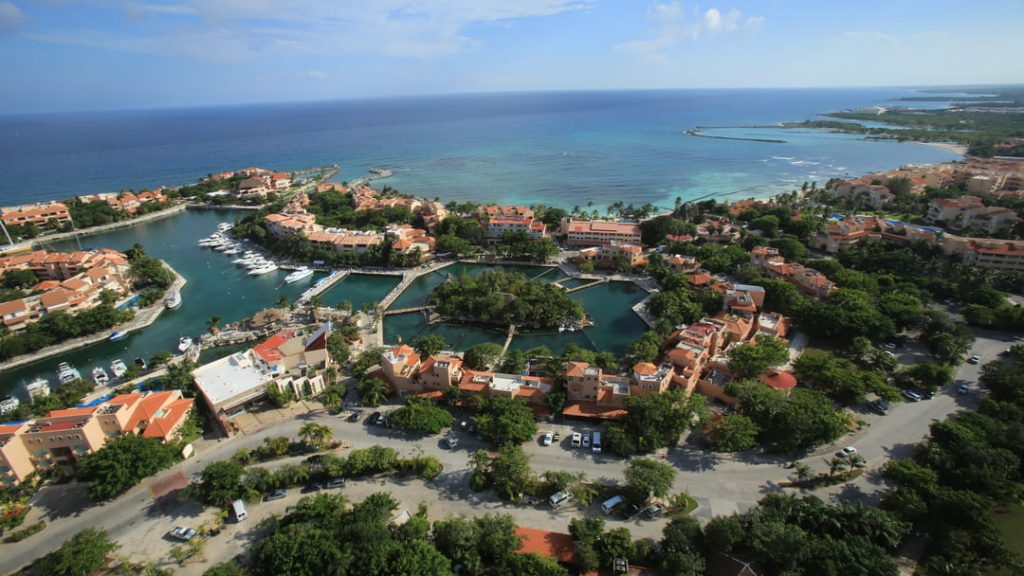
[421, 416]
[19, 535]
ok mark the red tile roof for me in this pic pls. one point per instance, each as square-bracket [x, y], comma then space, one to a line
[268, 349]
[173, 414]
[779, 379]
[549, 544]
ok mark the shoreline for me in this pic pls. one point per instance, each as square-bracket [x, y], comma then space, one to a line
[959, 149]
[144, 318]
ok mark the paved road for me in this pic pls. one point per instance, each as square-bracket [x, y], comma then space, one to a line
[721, 484]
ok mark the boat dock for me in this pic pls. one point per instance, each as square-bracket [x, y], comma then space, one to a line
[323, 285]
[375, 174]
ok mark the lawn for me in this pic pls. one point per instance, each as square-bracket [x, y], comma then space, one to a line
[1011, 524]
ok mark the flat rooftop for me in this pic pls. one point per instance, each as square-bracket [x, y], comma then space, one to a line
[229, 377]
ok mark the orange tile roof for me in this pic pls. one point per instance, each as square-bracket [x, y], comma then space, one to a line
[593, 410]
[575, 369]
[645, 368]
[148, 408]
[268, 349]
[70, 412]
[162, 427]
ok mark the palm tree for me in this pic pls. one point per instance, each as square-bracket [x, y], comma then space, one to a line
[836, 465]
[856, 462]
[803, 472]
[315, 435]
[373, 391]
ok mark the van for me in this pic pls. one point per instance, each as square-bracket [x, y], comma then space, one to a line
[559, 498]
[595, 443]
[238, 507]
[611, 503]
[577, 439]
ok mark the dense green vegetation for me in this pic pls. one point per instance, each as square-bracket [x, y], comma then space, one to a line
[802, 419]
[503, 420]
[84, 554]
[503, 298]
[653, 422]
[336, 210]
[753, 359]
[59, 326]
[420, 416]
[122, 463]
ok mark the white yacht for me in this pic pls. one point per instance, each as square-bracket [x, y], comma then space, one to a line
[38, 388]
[99, 376]
[224, 226]
[233, 250]
[174, 300]
[184, 343]
[258, 262]
[67, 373]
[300, 274]
[223, 246]
[118, 368]
[267, 267]
[8, 404]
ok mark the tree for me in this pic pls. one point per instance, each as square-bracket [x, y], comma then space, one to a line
[337, 347]
[802, 472]
[734, 433]
[510, 473]
[299, 549]
[122, 463]
[316, 435]
[429, 344]
[221, 483]
[646, 478]
[372, 390]
[645, 349]
[421, 416]
[506, 421]
[653, 422]
[160, 358]
[752, 360]
[83, 554]
[481, 356]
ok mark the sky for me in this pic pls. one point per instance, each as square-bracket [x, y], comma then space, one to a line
[67, 55]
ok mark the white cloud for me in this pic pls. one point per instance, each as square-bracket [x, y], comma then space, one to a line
[11, 17]
[247, 29]
[317, 74]
[674, 27]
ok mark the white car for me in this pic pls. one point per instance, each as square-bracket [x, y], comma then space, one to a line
[577, 439]
[182, 533]
[586, 440]
[974, 359]
[548, 438]
[845, 452]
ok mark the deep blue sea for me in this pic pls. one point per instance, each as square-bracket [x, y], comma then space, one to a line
[557, 148]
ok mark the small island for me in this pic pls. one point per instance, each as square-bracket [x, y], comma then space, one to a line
[502, 298]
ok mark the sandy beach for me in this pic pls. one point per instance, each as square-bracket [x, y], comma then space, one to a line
[960, 149]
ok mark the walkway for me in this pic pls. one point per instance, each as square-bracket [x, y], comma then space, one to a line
[142, 319]
[407, 310]
[508, 339]
[588, 285]
[322, 285]
[171, 211]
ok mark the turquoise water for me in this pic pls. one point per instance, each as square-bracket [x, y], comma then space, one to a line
[360, 289]
[215, 287]
[609, 305]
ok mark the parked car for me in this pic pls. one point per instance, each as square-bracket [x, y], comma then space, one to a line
[974, 359]
[889, 345]
[315, 459]
[314, 487]
[911, 395]
[890, 354]
[654, 510]
[881, 407]
[964, 389]
[577, 440]
[275, 495]
[451, 441]
[846, 452]
[182, 533]
[586, 440]
[355, 416]
[336, 483]
[378, 418]
[547, 438]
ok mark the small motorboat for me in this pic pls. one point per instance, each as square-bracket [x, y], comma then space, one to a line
[67, 373]
[118, 368]
[266, 267]
[300, 274]
[174, 300]
[8, 404]
[184, 343]
[38, 388]
[117, 335]
[140, 363]
[99, 376]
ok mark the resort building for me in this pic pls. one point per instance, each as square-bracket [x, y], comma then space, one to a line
[1003, 255]
[582, 233]
[69, 282]
[39, 214]
[287, 360]
[405, 239]
[614, 255]
[499, 220]
[863, 193]
[970, 212]
[63, 437]
[807, 280]
[682, 264]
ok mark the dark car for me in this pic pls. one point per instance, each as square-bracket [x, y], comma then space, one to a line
[379, 418]
[375, 417]
[314, 487]
[336, 483]
[881, 407]
[275, 495]
[355, 416]
[315, 459]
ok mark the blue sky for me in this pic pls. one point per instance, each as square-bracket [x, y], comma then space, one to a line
[60, 55]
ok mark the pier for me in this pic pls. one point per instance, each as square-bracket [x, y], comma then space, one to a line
[409, 310]
[375, 174]
[508, 339]
[323, 285]
[587, 285]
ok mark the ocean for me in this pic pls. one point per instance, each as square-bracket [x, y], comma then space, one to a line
[563, 149]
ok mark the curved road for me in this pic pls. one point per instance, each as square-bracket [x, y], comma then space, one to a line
[721, 484]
